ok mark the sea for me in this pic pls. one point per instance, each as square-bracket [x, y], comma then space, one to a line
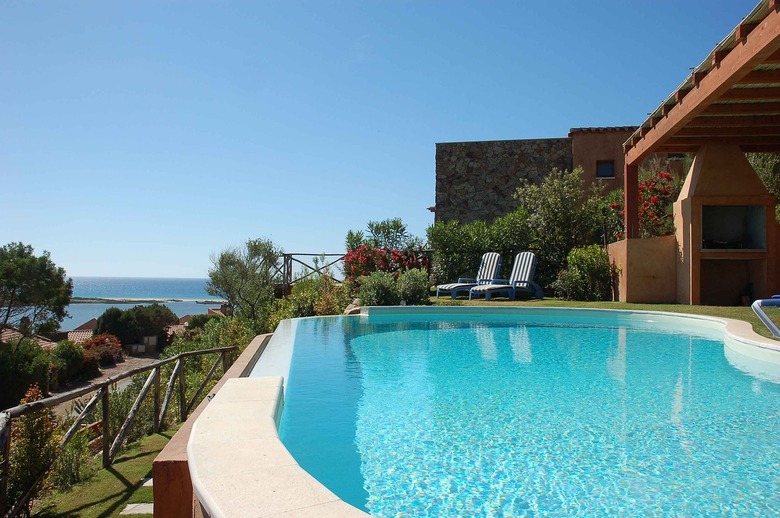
[182, 296]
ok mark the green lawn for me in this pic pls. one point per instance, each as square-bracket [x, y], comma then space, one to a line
[738, 312]
[110, 490]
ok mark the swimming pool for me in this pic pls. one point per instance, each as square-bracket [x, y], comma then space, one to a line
[505, 412]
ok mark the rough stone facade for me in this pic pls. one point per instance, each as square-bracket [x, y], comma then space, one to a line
[477, 180]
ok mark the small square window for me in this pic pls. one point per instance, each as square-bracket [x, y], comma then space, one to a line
[605, 169]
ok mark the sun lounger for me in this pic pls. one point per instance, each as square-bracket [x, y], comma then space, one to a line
[519, 284]
[489, 268]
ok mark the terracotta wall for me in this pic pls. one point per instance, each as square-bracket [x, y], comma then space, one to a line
[588, 147]
[647, 269]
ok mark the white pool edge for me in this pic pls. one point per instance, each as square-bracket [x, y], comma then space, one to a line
[239, 466]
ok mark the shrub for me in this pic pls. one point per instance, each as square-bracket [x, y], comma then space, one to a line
[657, 193]
[107, 347]
[69, 359]
[413, 287]
[91, 365]
[588, 276]
[33, 448]
[379, 289]
[74, 463]
[458, 248]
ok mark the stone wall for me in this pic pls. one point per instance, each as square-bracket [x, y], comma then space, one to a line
[477, 180]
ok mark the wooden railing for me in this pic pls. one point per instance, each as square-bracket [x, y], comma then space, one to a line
[312, 267]
[110, 446]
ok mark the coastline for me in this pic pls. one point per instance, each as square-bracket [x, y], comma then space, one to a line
[122, 300]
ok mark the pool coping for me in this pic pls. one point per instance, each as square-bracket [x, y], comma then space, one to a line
[263, 479]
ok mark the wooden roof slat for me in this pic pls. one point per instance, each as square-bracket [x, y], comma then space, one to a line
[742, 108]
[759, 77]
[752, 94]
[734, 140]
[757, 131]
[734, 121]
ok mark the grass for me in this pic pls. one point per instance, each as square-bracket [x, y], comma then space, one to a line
[737, 312]
[110, 490]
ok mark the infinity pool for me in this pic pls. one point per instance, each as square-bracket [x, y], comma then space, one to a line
[518, 413]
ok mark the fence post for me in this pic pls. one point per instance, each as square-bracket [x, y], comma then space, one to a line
[5, 453]
[182, 395]
[157, 374]
[106, 429]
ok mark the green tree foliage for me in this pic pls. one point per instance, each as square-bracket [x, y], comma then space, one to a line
[458, 248]
[131, 325]
[767, 166]
[34, 292]
[33, 448]
[561, 216]
[199, 321]
[21, 366]
[391, 233]
[245, 278]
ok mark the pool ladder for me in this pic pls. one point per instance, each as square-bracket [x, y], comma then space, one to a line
[759, 311]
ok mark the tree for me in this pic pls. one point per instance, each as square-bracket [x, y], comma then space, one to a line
[561, 216]
[131, 325]
[245, 278]
[34, 292]
[389, 233]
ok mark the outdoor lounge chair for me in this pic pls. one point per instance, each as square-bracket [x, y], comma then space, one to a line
[520, 282]
[488, 270]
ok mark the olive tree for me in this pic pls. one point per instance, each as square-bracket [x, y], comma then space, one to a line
[245, 277]
[34, 292]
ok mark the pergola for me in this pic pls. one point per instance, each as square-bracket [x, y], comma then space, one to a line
[731, 98]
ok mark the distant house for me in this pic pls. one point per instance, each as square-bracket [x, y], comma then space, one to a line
[11, 335]
[84, 332]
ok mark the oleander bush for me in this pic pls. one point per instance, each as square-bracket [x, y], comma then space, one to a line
[107, 348]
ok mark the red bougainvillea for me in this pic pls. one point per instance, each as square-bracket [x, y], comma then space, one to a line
[656, 195]
[366, 259]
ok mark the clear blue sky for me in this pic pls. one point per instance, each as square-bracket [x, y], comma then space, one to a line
[140, 138]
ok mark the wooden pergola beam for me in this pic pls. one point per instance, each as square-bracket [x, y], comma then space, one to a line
[757, 47]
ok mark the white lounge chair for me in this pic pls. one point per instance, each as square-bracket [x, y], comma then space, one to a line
[489, 268]
[520, 282]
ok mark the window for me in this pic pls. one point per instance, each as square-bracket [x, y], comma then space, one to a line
[605, 169]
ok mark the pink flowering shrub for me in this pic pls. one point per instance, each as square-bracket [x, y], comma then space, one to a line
[656, 195]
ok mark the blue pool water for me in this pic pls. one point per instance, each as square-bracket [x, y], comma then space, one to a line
[499, 415]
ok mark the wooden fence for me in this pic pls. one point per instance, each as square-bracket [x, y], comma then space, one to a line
[110, 446]
[307, 266]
